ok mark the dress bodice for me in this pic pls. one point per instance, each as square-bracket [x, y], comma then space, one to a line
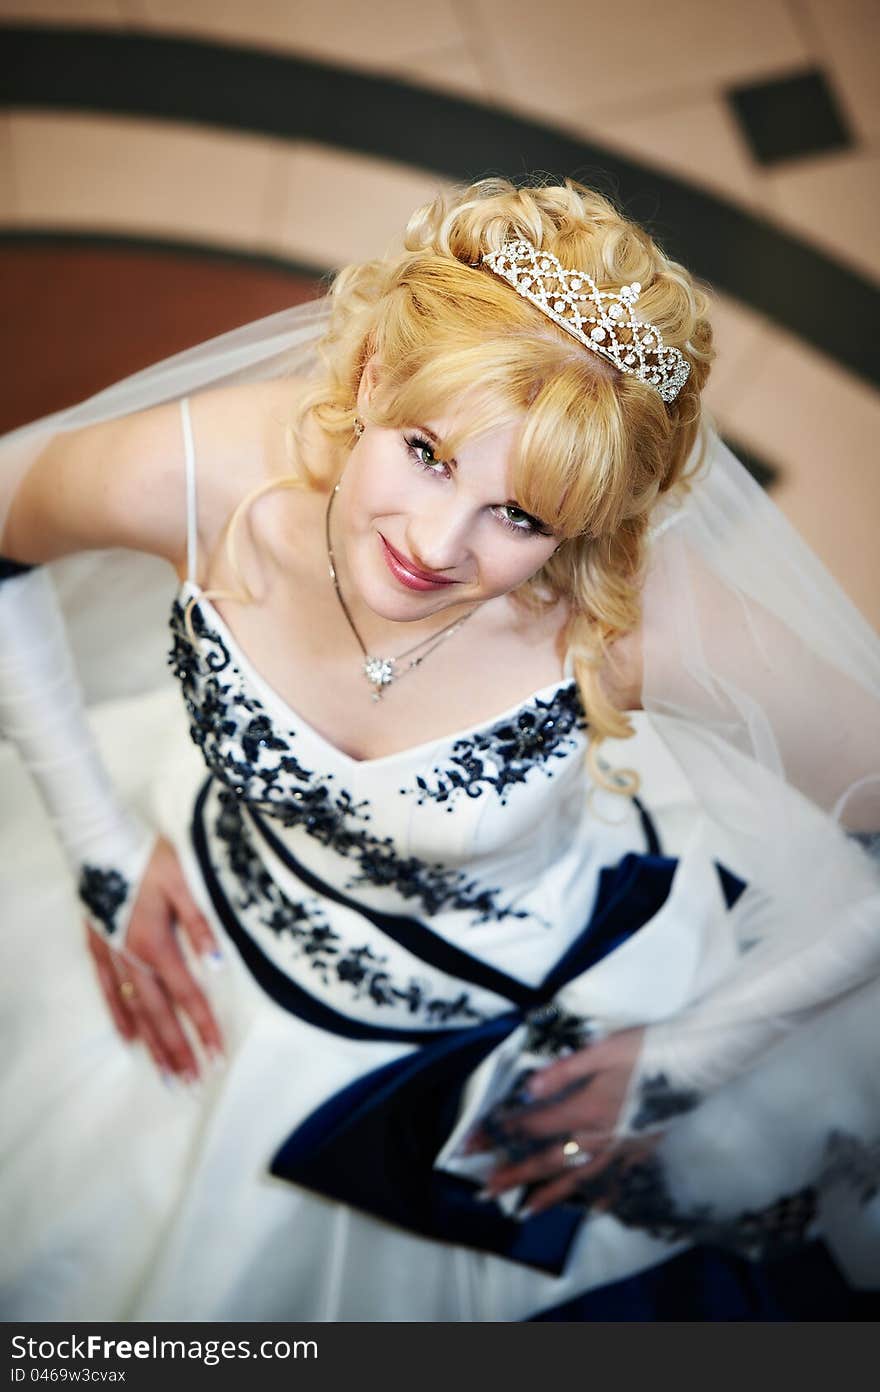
[485, 834]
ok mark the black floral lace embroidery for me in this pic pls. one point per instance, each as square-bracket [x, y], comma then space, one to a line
[233, 730]
[639, 1197]
[552, 1031]
[658, 1100]
[255, 760]
[505, 754]
[853, 1163]
[304, 926]
[103, 892]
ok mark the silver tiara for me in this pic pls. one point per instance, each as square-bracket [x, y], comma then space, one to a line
[602, 320]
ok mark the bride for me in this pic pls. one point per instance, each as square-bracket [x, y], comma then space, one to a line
[495, 1022]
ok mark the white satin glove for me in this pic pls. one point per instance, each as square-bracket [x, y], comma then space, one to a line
[41, 711]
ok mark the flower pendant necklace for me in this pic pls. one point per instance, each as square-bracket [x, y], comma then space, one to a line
[380, 672]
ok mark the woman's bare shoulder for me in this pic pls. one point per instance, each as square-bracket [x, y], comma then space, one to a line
[240, 436]
[121, 482]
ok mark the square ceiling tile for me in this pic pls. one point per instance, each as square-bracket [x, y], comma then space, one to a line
[833, 201]
[738, 336]
[820, 425]
[847, 35]
[147, 178]
[697, 139]
[346, 32]
[789, 117]
[324, 185]
[62, 11]
[569, 61]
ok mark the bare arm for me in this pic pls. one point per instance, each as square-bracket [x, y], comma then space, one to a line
[120, 483]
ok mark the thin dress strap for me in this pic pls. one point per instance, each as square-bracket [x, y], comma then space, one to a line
[191, 515]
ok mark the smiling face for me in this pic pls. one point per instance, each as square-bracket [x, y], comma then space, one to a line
[418, 534]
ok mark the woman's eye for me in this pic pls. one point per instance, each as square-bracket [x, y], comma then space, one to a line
[518, 521]
[423, 454]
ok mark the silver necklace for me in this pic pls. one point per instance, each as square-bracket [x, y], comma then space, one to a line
[382, 671]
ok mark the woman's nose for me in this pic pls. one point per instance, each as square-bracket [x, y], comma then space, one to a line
[439, 539]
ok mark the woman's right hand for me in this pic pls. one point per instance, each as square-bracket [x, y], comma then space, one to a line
[147, 983]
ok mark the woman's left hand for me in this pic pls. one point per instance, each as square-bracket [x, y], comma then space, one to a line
[579, 1098]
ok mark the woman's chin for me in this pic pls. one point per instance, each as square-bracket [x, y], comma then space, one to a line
[388, 599]
[406, 608]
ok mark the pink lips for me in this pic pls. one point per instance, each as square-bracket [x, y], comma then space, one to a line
[409, 574]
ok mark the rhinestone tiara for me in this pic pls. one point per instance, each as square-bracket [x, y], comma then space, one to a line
[602, 320]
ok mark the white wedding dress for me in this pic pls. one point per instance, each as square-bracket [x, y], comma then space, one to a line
[405, 914]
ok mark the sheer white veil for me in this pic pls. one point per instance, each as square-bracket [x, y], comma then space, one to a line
[761, 679]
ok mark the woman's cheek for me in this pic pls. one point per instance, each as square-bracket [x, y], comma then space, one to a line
[523, 568]
[501, 575]
[387, 492]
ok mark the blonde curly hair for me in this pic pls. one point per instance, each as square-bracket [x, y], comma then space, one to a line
[598, 447]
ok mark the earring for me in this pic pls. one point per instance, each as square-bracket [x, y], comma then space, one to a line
[358, 427]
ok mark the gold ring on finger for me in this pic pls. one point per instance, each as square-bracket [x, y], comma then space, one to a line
[574, 1155]
[126, 989]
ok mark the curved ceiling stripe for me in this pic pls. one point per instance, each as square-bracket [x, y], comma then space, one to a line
[821, 300]
[23, 235]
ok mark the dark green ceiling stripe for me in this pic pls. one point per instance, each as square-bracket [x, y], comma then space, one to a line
[817, 298]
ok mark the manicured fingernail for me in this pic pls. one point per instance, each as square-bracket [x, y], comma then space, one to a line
[168, 1079]
[215, 1060]
[526, 1212]
[215, 959]
[484, 1196]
